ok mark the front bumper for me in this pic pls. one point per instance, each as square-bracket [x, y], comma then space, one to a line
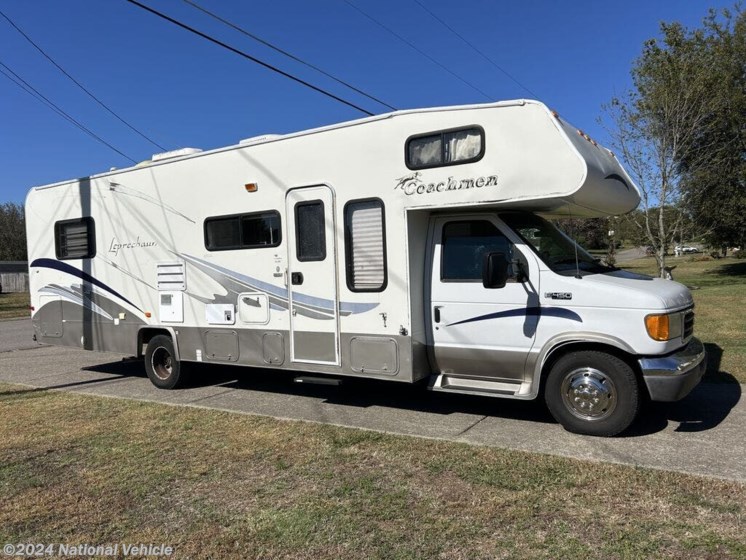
[670, 378]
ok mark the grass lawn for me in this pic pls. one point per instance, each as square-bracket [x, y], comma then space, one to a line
[14, 305]
[720, 313]
[85, 469]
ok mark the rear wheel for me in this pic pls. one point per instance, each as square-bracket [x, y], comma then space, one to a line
[592, 393]
[163, 369]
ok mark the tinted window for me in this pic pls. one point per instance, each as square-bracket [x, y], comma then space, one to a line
[243, 231]
[365, 245]
[309, 231]
[464, 245]
[448, 147]
[75, 239]
[222, 234]
[260, 230]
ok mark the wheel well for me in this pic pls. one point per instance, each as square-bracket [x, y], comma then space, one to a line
[144, 336]
[569, 347]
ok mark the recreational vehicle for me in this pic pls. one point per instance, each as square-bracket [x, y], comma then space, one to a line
[412, 247]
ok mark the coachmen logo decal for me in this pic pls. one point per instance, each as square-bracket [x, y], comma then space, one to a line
[413, 184]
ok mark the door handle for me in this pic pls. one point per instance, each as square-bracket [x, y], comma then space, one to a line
[296, 278]
[436, 313]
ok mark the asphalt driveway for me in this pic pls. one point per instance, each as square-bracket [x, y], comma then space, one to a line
[702, 434]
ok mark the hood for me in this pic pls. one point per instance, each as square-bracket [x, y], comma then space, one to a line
[638, 291]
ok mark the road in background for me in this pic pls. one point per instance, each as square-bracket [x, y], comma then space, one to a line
[703, 434]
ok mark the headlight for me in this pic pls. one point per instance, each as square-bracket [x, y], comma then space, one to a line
[666, 326]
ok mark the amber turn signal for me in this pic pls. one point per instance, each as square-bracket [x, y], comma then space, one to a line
[658, 327]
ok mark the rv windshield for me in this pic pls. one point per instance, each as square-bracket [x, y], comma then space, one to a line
[551, 245]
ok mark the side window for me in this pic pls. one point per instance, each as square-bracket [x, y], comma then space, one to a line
[464, 245]
[365, 246]
[447, 147]
[243, 231]
[222, 233]
[310, 232]
[260, 230]
[75, 239]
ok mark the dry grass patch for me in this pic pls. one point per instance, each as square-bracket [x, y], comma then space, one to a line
[14, 305]
[77, 468]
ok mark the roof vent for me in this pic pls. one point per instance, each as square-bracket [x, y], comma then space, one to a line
[259, 139]
[175, 154]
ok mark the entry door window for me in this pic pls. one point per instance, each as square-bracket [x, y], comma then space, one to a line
[464, 245]
[310, 231]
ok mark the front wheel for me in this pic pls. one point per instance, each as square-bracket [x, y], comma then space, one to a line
[592, 393]
[163, 369]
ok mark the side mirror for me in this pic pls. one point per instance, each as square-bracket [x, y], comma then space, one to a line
[495, 270]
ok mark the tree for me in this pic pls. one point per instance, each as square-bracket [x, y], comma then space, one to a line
[715, 195]
[663, 129]
[12, 233]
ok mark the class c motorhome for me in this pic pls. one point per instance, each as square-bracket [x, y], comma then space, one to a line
[412, 247]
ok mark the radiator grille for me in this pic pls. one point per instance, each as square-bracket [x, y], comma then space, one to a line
[688, 324]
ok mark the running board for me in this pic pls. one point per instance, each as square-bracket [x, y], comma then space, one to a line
[452, 384]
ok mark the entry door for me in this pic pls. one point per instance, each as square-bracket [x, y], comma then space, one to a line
[478, 332]
[312, 276]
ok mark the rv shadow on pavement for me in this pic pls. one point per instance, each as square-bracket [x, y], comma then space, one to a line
[703, 409]
[706, 407]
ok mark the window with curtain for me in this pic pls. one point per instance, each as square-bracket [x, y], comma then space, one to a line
[448, 147]
[75, 239]
[365, 245]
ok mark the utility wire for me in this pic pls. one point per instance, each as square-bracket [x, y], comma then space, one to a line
[487, 58]
[28, 88]
[286, 53]
[247, 56]
[412, 46]
[77, 83]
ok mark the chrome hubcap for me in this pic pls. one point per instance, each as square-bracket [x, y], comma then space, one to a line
[589, 394]
[162, 363]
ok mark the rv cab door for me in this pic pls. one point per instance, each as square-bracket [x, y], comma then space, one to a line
[476, 331]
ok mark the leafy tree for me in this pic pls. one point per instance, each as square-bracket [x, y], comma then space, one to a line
[665, 129]
[12, 233]
[715, 195]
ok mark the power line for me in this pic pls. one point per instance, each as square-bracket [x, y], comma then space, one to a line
[411, 45]
[286, 53]
[28, 88]
[77, 83]
[487, 58]
[247, 56]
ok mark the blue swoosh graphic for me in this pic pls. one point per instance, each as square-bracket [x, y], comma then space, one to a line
[69, 269]
[559, 312]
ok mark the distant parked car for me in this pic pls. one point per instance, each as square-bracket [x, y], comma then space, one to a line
[683, 249]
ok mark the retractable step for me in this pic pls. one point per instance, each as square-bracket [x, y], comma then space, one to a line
[312, 380]
[473, 386]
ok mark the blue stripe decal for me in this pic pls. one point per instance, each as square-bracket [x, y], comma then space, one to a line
[559, 312]
[84, 276]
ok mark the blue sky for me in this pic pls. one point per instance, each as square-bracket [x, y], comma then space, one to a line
[182, 91]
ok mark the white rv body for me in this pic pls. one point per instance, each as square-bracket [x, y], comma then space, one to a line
[299, 302]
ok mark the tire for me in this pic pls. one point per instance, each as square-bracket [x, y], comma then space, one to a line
[592, 393]
[163, 369]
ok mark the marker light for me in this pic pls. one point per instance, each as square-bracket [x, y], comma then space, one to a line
[658, 327]
[251, 187]
[147, 314]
